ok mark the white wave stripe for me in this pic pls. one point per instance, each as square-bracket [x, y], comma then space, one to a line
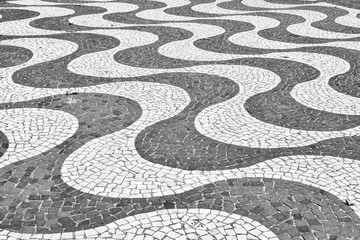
[185, 49]
[177, 101]
[182, 49]
[317, 94]
[252, 39]
[321, 97]
[145, 38]
[144, 179]
[170, 223]
[89, 64]
[34, 2]
[254, 80]
[350, 19]
[305, 28]
[158, 102]
[158, 14]
[102, 62]
[98, 1]
[311, 16]
[23, 28]
[110, 165]
[229, 121]
[46, 3]
[43, 49]
[264, 4]
[97, 20]
[142, 175]
[114, 162]
[213, 7]
[32, 131]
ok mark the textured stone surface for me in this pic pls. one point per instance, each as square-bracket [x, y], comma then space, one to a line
[11, 56]
[201, 119]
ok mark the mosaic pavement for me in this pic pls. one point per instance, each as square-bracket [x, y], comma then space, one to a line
[186, 119]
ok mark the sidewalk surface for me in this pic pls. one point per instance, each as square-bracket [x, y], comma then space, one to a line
[180, 119]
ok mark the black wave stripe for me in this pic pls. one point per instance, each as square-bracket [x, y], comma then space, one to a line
[279, 33]
[62, 23]
[68, 1]
[12, 56]
[286, 20]
[329, 24]
[286, 111]
[284, 118]
[277, 103]
[4, 144]
[278, 107]
[175, 142]
[296, 2]
[46, 204]
[345, 3]
[346, 83]
[53, 74]
[221, 44]
[188, 12]
[148, 55]
[130, 17]
[238, 5]
[4, 3]
[332, 12]
[16, 14]
[288, 209]
[34, 199]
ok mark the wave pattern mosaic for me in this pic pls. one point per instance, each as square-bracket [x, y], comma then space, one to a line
[186, 119]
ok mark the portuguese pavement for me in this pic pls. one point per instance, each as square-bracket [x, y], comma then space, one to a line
[180, 119]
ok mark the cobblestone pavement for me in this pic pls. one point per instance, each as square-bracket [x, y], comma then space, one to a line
[180, 119]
